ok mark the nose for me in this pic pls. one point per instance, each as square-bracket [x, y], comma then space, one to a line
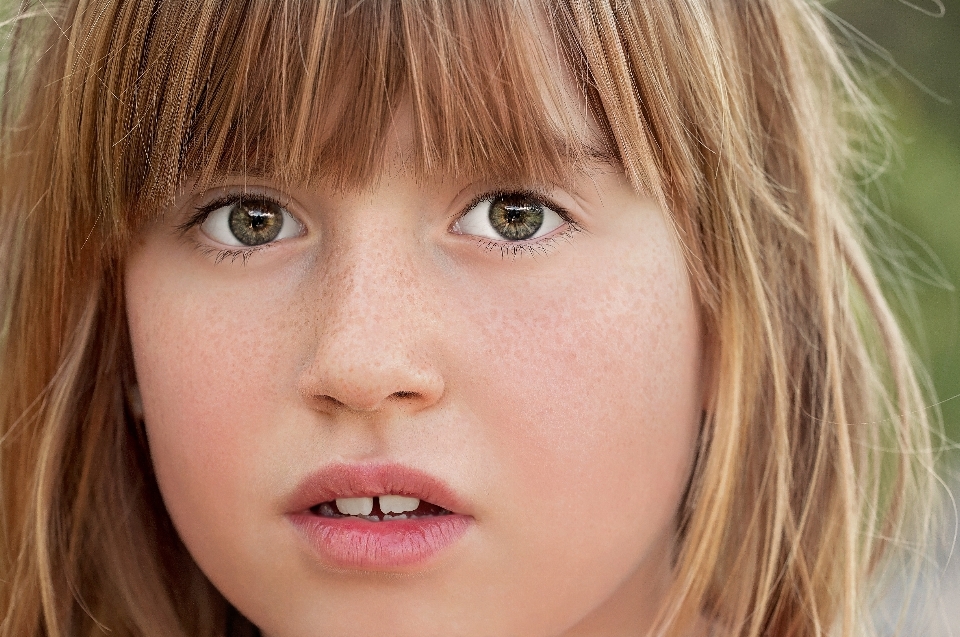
[373, 334]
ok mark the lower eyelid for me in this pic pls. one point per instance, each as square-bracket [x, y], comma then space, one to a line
[220, 255]
[541, 246]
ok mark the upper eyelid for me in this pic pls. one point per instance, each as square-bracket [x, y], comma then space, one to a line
[533, 193]
[201, 212]
[230, 198]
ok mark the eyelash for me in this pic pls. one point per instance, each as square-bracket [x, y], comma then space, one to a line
[534, 247]
[222, 254]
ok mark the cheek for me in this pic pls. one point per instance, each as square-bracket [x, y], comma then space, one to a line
[592, 388]
[206, 360]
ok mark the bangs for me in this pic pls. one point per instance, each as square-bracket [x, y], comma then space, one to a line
[309, 92]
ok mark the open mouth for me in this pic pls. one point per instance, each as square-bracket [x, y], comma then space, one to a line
[379, 508]
[354, 516]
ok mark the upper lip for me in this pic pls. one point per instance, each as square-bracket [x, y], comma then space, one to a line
[341, 480]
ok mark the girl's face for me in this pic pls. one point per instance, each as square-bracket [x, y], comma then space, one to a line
[525, 356]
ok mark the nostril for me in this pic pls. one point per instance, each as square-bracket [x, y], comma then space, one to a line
[330, 402]
[331, 383]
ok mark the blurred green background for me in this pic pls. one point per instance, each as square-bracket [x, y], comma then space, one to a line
[918, 74]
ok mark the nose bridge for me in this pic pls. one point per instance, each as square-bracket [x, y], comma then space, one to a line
[371, 327]
[370, 293]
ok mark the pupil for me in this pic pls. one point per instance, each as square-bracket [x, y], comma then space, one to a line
[255, 223]
[516, 217]
[258, 220]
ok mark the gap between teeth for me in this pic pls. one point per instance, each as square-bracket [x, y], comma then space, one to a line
[388, 504]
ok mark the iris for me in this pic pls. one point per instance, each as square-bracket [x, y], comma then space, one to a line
[254, 222]
[516, 216]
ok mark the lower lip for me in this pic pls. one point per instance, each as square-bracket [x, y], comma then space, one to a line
[392, 544]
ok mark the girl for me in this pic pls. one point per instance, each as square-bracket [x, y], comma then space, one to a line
[442, 318]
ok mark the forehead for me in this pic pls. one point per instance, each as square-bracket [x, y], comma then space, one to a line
[317, 91]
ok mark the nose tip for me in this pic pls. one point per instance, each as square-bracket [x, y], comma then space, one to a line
[367, 361]
[402, 386]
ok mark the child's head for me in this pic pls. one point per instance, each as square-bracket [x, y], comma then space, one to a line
[576, 286]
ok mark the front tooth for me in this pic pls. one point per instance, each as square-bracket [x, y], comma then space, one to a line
[398, 504]
[355, 506]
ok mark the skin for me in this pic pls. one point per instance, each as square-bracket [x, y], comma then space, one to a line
[559, 394]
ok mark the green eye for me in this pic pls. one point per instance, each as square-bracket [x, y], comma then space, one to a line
[250, 222]
[511, 217]
[516, 217]
[255, 223]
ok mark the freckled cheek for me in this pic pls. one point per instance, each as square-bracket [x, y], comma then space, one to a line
[597, 396]
[210, 371]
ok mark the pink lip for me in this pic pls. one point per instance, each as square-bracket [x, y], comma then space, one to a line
[355, 543]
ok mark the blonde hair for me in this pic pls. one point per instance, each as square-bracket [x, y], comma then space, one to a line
[739, 117]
